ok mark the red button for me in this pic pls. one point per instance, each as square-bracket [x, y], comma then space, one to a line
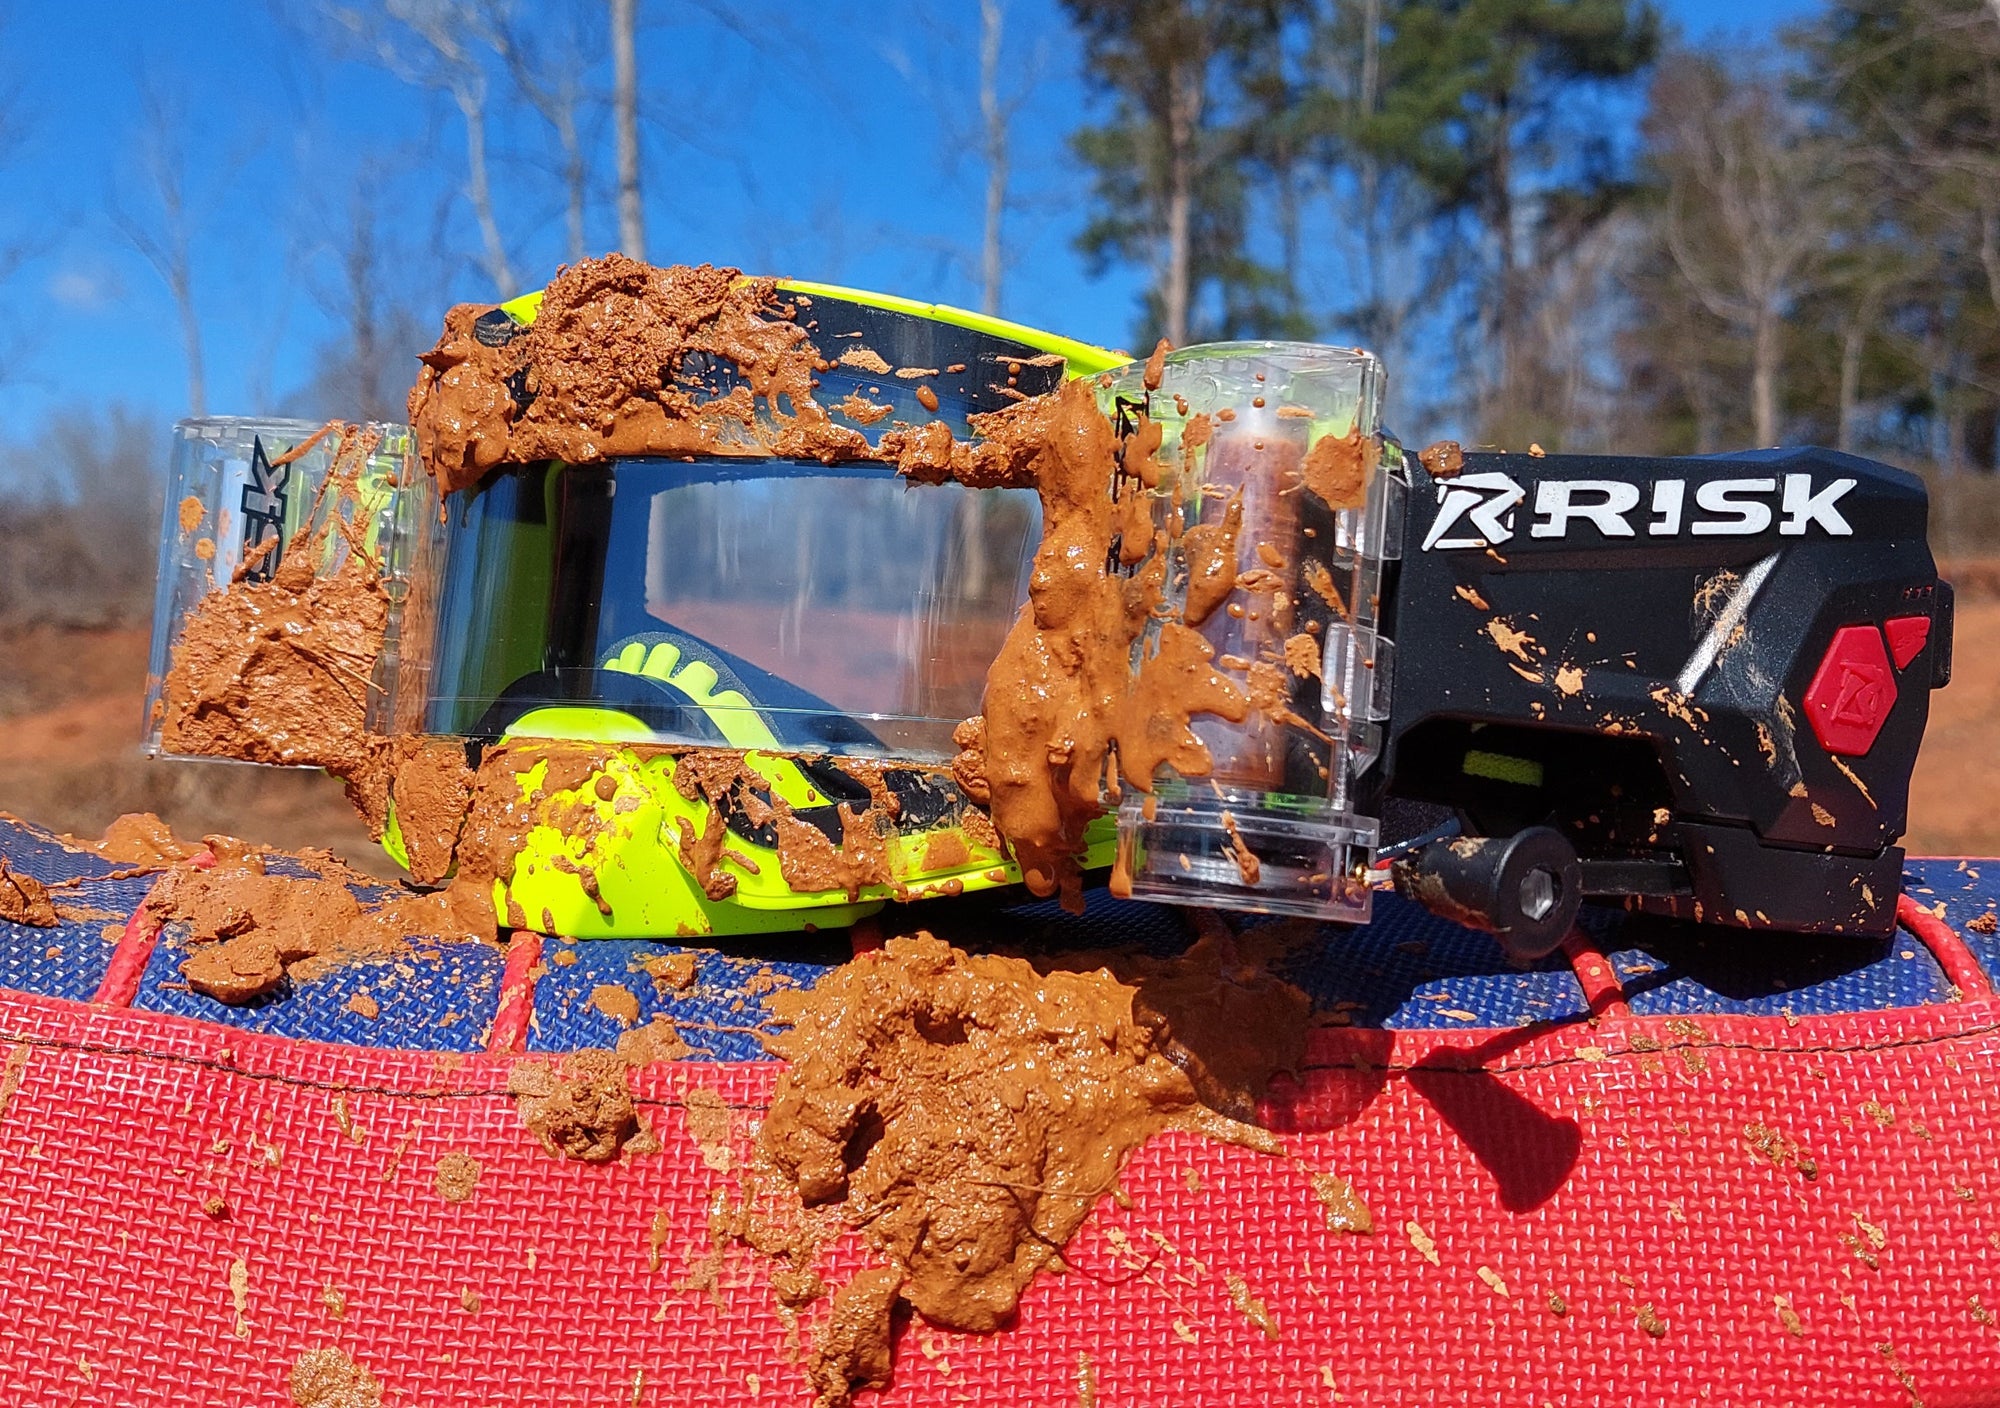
[1907, 635]
[1852, 693]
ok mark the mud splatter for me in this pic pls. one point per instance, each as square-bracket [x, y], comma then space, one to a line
[1443, 460]
[1510, 641]
[581, 1109]
[616, 1001]
[656, 1040]
[457, 1175]
[1783, 1152]
[965, 1113]
[25, 900]
[250, 931]
[1062, 699]
[1337, 468]
[1345, 1212]
[1252, 1307]
[327, 1378]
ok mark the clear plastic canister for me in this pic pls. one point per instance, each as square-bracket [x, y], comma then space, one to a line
[1280, 500]
[234, 483]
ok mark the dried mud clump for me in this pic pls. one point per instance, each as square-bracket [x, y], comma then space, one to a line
[250, 931]
[456, 1176]
[581, 1109]
[327, 1378]
[25, 900]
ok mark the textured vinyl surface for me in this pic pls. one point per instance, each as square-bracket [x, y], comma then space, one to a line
[1716, 1202]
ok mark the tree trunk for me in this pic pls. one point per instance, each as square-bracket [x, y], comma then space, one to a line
[1506, 309]
[1764, 378]
[1368, 169]
[992, 16]
[183, 290]
[472, 106]
[1852, 343]
[1989, 248]
[364, 355]
[1184, 101]
[625, 99]
[576, 180]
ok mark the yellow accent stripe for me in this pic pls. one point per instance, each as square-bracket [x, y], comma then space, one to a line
[1083, 358]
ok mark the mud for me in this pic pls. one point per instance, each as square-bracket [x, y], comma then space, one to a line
[327, 1378]
[25, 900]
[457, 1176]
[1066, 715]
[616, 1001]
[657, 1040]
[1442, 460]
[251, 931]
[1345, 1212]
[811, 864]
[580, 1109]
[965, 1112]
[278, 671]
[852, 1350]
[614, 365]
[141, 838]
[1336, 469]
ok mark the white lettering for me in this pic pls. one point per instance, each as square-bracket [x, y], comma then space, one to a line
[1745, 517]
[1802, 506]
[1667, 495]
[1486, 500]
[1556, 502]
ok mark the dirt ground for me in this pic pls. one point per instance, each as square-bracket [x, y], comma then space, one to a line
[70, 703]
[1955, 795]
[70, 706]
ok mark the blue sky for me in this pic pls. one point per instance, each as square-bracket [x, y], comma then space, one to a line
[824, 147]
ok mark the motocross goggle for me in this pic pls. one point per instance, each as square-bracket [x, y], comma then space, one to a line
[807, 612]
[767, 603]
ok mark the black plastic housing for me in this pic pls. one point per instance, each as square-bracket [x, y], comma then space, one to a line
[1623, 649]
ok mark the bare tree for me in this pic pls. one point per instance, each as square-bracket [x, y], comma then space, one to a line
[431, 44]
[1168, 187]
[625, 104]
[1747, 206]
[547, 69]
[164, 237]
